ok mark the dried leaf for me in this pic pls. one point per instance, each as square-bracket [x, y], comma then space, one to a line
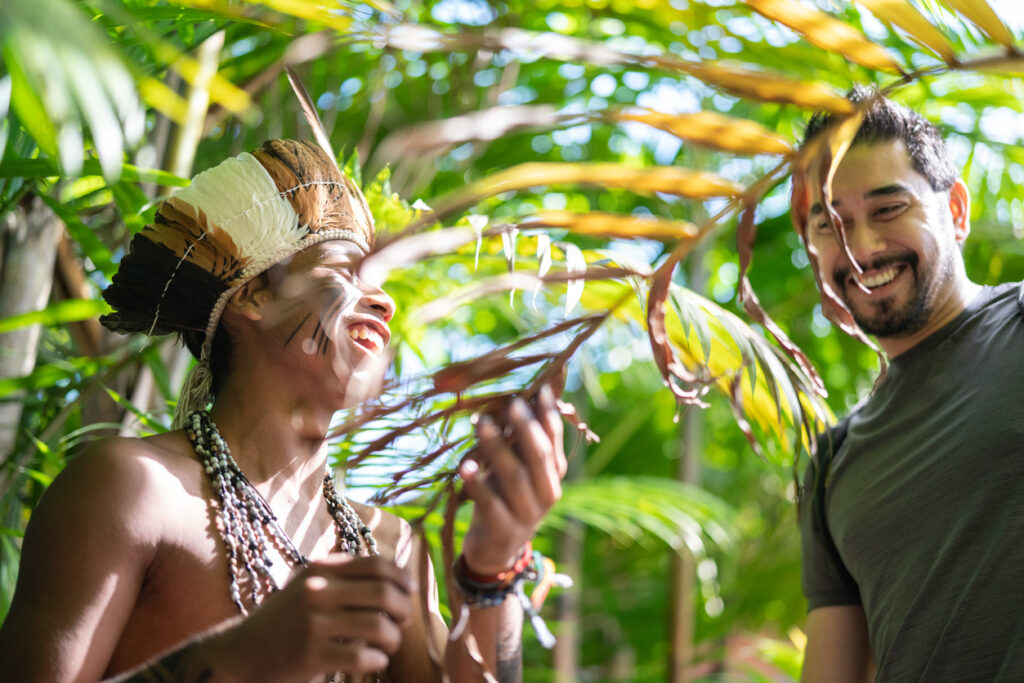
[736, 393]
[554, 374]
[666, 179]
[568, 411]
[902, 14]
[1009, 65]
[981, 14]
[407, 250]
[665, 358]
[612, 225]
[760, 85]
[757, 312]
[463, 375]
[832, 306]
[744, 82]
[746, 233]
[839, 139]
[710, 129]
[827, 32]
[434, 137]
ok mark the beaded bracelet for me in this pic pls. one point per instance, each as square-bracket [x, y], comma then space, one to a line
[479, 591]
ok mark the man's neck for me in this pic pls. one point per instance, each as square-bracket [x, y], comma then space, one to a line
[279, 442]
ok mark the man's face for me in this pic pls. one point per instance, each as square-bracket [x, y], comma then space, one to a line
[902, 233]
[326, 317]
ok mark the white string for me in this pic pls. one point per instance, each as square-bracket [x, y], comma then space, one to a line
[160, 302]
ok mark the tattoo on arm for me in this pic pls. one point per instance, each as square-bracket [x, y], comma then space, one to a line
[510, 658]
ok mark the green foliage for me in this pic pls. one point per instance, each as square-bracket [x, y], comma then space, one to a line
[72, 133]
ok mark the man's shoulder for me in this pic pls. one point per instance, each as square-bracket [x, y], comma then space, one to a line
[126, 478]
[143, 462]
[395, 537]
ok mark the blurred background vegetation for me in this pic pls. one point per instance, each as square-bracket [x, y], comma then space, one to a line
[682, 541]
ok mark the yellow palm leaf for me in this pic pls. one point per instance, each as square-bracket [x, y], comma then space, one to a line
[827, 32]
[902, 14]
[600, 224]
[711, 129]
[982, 15]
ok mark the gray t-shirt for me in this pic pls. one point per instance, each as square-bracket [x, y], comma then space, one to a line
[922, 519]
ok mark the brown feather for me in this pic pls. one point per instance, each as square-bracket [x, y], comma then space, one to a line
[312, 117]
[183, 228]
[321, 195]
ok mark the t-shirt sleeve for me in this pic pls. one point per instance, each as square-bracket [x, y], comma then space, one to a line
[826, 580]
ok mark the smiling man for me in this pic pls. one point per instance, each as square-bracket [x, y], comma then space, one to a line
[912, 513]
[222, 550]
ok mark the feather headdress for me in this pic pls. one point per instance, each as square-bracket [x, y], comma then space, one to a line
[232, 223]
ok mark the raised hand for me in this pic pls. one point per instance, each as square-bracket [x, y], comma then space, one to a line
[512, 481]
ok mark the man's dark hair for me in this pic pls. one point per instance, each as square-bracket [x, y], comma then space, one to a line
[884, 120]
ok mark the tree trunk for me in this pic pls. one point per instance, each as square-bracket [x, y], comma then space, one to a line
[30, 235]
[566, 653]
[683, 568]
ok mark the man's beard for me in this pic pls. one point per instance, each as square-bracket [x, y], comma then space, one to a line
[886, 317]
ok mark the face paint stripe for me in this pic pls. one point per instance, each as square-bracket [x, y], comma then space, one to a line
[296, 330]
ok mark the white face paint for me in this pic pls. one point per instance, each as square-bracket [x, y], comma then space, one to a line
[330, 324]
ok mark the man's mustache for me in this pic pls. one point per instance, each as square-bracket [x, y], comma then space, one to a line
[841, 274]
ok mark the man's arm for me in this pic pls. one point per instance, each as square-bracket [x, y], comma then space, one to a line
[837, 646]
[513, 479]
[83, 560]
[87, 551]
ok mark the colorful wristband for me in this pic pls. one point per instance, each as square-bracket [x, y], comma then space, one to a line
[462, 569]
[480, 590]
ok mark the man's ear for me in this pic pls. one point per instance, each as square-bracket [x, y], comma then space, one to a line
[960, 210]
[251, 299]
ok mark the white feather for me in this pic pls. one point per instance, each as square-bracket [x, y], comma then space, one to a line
[240, 198]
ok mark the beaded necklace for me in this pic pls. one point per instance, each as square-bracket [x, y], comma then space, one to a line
[245, 519]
